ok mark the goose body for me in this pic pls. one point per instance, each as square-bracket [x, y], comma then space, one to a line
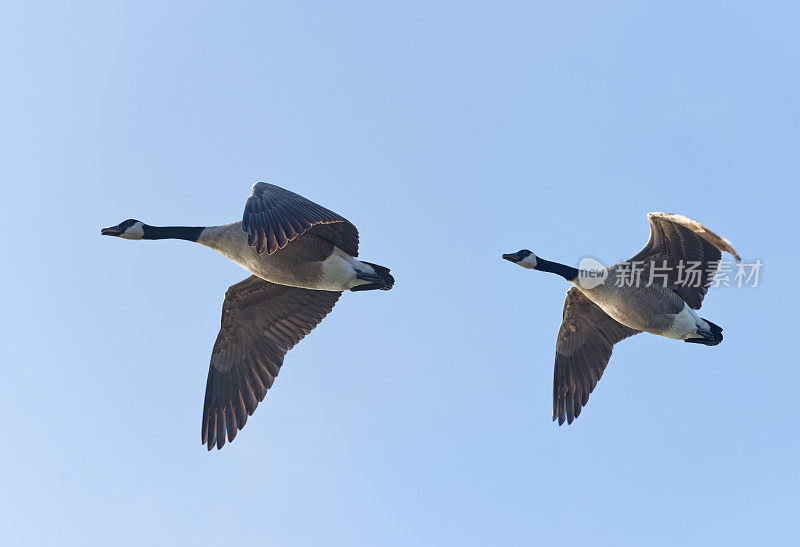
[655, 309]
[599, 314]
[301, 257]
[310, 262]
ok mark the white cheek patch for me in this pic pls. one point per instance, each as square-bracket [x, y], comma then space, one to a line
[134, 232]
[528, 262]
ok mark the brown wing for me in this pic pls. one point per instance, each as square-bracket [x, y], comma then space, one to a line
[261, 321]
[675, 239]
[273, 217]
[585, 340]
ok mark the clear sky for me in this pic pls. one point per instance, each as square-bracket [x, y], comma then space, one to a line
[448, 133]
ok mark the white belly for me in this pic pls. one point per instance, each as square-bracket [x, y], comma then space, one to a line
[339, 271]
[685, 325]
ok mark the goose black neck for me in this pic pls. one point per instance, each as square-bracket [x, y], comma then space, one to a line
[189, 233]
[567, 272]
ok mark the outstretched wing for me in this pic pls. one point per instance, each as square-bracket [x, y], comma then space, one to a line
[261, 321]
[274, 216]
[679, 244]
[585, 340]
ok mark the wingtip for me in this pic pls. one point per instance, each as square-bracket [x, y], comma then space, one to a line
[206, 441]
[699, 228]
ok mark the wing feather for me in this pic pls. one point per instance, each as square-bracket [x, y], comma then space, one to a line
[583, 348]
[274, 216]
[675, 243]
[261, 321]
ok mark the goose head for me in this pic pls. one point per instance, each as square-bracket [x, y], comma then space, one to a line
[523, 258]
[127, 229]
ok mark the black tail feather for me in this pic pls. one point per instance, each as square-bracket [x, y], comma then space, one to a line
[711, 338]
[716, 331]
[387, 281]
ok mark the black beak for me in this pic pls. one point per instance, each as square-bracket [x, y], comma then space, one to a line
[113, 231]
[512, 257]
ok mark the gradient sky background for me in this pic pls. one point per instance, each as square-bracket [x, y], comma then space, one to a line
[448, 133]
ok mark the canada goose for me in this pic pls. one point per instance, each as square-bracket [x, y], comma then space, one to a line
[302, 256]
[599, 311]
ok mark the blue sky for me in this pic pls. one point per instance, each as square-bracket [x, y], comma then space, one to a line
[448, 133]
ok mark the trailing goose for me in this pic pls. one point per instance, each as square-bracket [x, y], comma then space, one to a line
[302, 256]
[656, 291]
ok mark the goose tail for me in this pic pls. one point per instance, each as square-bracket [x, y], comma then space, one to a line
[716, 332]
[710, 337]
[381, 279]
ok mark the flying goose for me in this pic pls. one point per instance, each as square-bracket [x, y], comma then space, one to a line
[608, 305]
[302, 256]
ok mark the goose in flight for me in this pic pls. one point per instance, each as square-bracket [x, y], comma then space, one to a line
[656, 291]
[301, 257]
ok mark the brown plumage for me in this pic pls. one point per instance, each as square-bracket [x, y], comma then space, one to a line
[301, 257]
[585, 340]
[274, 216]
[261, 321]
[587, 333]
[675, 238]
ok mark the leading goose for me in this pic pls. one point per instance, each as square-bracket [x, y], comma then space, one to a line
[302, 256]
[659, 297]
